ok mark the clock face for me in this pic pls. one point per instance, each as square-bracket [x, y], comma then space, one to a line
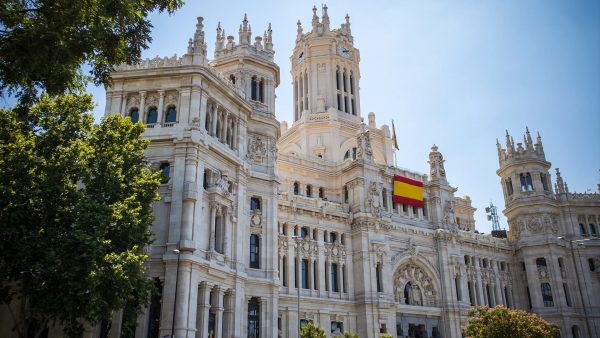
[344, 52]
[300, 57]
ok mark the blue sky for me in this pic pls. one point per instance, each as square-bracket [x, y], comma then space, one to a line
[453, 73]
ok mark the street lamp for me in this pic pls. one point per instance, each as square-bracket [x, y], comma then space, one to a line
[178, 253]
[297, 239]
[580, 242]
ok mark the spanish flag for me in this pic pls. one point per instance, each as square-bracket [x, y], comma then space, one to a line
[408, 191]
[394, 138]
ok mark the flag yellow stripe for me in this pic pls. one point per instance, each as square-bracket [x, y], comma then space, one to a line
[408, 190]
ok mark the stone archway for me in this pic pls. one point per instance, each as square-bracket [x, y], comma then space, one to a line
[414, 286]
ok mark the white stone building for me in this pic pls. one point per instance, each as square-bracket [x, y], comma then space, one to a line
[279, 224]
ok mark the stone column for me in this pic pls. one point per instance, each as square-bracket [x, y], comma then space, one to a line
[220, 292]
[203, 310]
[213, 216]
[187, 292]
[161, 104]
[348, 93]
[228, 314]
[203, 109]
[142, 111]
[226, 212]
[123, 105]
[341, 91]
[189, 197]
[215, 116]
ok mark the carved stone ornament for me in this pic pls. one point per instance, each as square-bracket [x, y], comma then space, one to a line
[256, 219]
[223, 184]
[307, 247]
[335, 252]
[152, 100]
[257, 150]
[422, 292]
[450, 216]
[363, 140]
[543, 273]
[133, 101]
[283, 244]
[374, 199]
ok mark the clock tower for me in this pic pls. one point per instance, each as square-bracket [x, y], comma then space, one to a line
[325, 70]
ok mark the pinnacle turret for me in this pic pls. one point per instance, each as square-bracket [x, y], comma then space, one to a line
[525, 150]
[262, 45]
[325, 19]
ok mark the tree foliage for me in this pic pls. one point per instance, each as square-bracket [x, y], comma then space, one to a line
[43, 43]
[500, 322]
[75, 213]
[311, 330]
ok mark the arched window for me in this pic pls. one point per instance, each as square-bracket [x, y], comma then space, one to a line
[332, 237]
[470, 288]
[351, 83]
[254, 251]
[581, 229]
[466, 260]
[346, 194]
[344, 81]
[541, 261]
[407, 292]
[254, 203]
[254, 318]
[347, 154]
[296, 188]
[547, 295]
[171, 114]
[337, 79]
[592, 228]
[308, 190]
[321, 192]
[509, 187]
[152, 116]
[592, 264]
[304, 232]
[526, 183]
[232, 78]
[134, 115]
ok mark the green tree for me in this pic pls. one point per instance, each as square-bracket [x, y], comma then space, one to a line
[43, 43]
[351, 335]
[75, 214]
[385, 335]
[500, 322]
[311, 330]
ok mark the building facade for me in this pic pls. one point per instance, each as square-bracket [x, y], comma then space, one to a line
[263, 226]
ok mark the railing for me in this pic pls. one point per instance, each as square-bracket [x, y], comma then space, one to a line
[169, 124]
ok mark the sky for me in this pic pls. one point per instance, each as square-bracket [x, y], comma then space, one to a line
[454, 73]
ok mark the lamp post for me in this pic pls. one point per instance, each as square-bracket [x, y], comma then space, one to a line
[297, 239]
[579, 242]
[178, 253]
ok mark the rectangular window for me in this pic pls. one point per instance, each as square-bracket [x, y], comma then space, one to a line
[567, 296]
[335, 285]
[332, 237]
[315, 275]
[305, 273]
[254, 251]
[254, 318]
[154, 310]
[457, 285]
[378, 276]
[337, 328]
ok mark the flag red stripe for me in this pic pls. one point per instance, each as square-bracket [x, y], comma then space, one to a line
[407, 201]
[408, 180]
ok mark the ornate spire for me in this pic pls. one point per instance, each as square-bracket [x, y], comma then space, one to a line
[560, 185]
[269, 38]
[315, 19]
[347, 25]
[199, 36]
[528, 140]
[220, 38]
[539, 148]
[325, 19]
[299, 30]
[245, 31]
[436, 166]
